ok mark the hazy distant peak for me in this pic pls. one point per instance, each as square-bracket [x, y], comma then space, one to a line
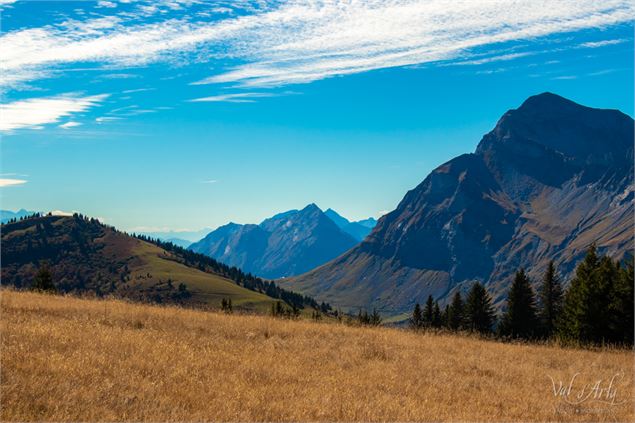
[311, 208]
[337, 218]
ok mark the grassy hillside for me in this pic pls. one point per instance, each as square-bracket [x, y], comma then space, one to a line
[86, 256]
[205, 288]
[85, 360]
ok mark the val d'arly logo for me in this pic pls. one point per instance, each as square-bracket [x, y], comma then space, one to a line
[576, 392]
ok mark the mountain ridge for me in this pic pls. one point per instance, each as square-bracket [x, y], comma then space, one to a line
[283, 245]
[528, 193]
[358, 230]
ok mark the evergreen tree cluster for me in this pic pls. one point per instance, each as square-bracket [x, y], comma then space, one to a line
[286, 311]
[43, 280]
[22, 218]
[597, 308]
[226, 305]
[475, 314]
[372, 319]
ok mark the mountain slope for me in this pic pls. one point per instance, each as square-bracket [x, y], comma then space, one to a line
[284, 245]
[550, 179]
[86, 256]
[358, 230]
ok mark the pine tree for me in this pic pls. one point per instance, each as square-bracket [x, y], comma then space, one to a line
[375, 318]
[573, 323]
[456, 313]
[428, 311]
[622, 306]
[551, 298]
[519, 321]
[436, 315]
[279, 309]
[363, 318]
[226, 305]
[588, 300]
[43, 280]
[416, 320]
[479, 312]
[444, 316]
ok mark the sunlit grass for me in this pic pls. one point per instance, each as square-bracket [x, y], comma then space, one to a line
[73, 359]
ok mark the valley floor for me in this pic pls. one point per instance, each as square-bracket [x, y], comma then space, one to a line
[65, 358]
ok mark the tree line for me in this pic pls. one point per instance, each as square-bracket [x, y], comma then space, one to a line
[246, 280]
[597, 307]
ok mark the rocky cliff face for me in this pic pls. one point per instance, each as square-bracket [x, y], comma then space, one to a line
[550, 179]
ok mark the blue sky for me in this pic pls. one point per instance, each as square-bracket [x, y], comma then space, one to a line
[185, 114]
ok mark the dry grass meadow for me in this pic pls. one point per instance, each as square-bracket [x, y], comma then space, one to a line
[75, 359]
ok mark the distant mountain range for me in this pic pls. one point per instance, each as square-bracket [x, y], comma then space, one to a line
[550, 179]
[358, 230]
[284, 245]
[6, 215]
[181, 238]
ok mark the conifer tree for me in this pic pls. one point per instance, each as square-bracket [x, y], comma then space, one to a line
[375, 318]
[479, 312]
[519, 321]
[574, 316]
[622, 307]
[363, 318]
[279, 309]
[428, 311]
[551, 298]
[456, 312]
[226, 305]
[588, 300]
[43, 280]
[444, 316]
[416, 320]
[436, 315]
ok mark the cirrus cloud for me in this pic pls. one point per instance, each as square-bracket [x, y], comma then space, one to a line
[35, 112]
[280, 43]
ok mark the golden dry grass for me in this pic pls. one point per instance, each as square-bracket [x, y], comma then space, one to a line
[86, 360]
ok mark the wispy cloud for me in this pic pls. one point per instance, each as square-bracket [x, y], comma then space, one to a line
[233, 98]
[602, 72]
[305, 42]
[70, 124]
[7, 182]
[104, 119]
[499, 58]
[210, 181]
[278, 43]
[35, 112]
[108, 4]
[138, 90]
[596, 44]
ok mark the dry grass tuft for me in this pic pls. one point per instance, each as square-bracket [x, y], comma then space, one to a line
[84, 360]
